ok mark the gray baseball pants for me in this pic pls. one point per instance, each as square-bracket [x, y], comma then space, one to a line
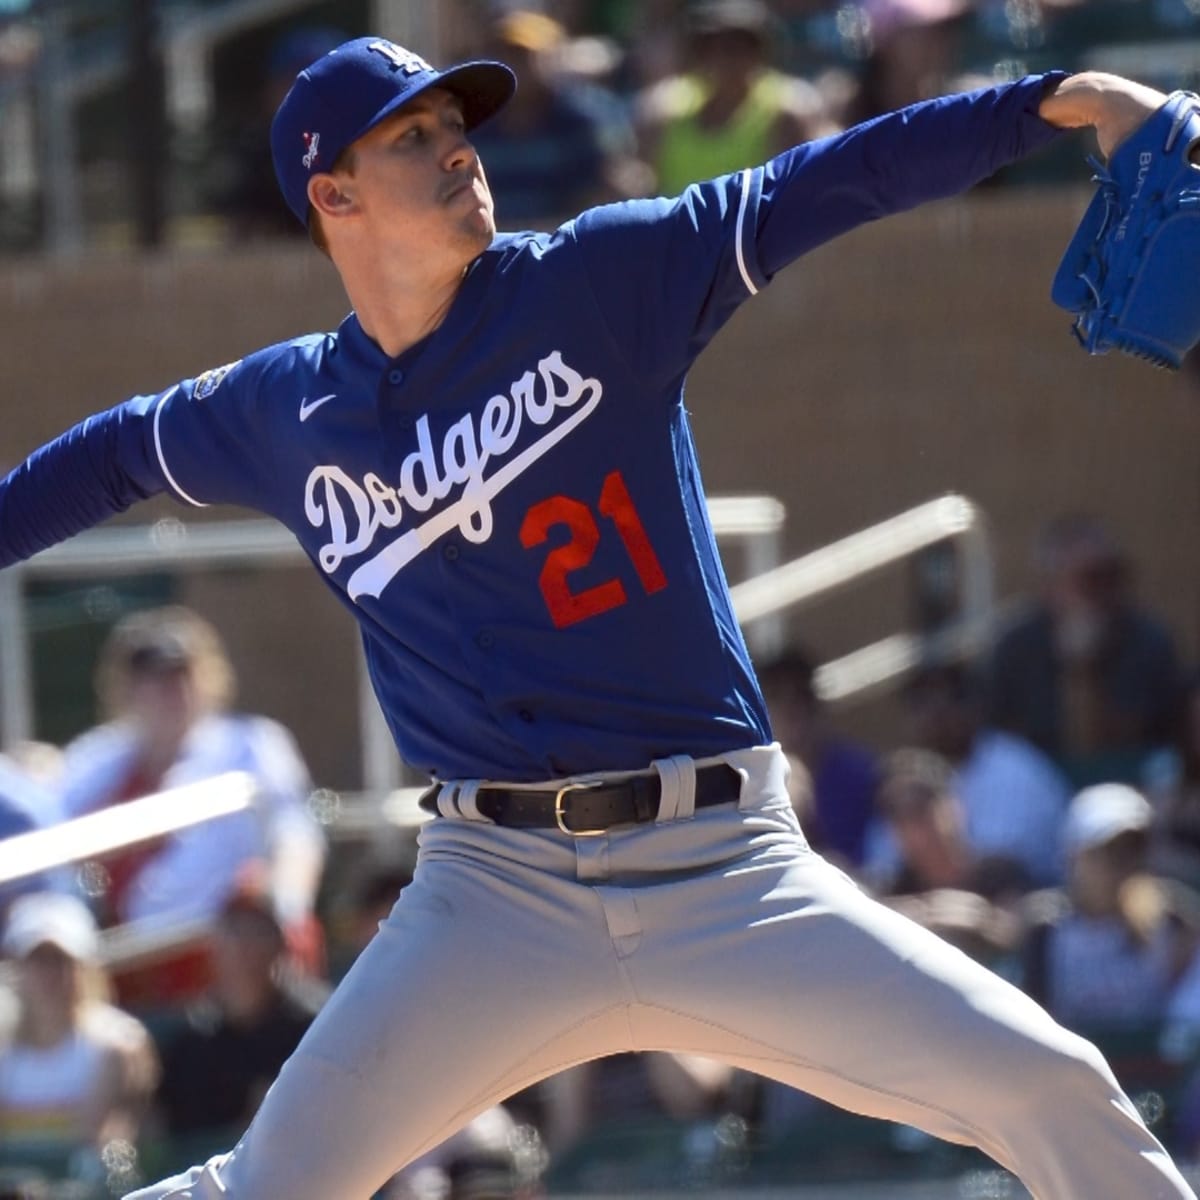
[515, 954]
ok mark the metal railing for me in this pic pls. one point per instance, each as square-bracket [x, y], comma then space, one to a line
[46, 851]
[121, 825]
[831, 568]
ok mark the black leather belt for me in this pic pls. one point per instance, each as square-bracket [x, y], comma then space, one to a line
[585, 809]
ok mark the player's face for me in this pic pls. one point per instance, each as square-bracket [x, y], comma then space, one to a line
[418, 179]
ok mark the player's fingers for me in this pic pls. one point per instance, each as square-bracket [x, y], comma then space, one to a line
[1115, 106]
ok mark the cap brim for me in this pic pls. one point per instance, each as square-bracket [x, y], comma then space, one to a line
[483, 87]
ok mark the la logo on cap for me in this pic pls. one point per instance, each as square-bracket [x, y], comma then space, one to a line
[401, 59]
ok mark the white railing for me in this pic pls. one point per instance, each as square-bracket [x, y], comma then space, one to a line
[827, 570]
[46, 851]
[122, 825]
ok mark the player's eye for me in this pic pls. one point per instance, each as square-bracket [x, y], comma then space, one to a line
[414, 131]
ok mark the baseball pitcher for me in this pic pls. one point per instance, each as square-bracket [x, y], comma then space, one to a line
[490, 465]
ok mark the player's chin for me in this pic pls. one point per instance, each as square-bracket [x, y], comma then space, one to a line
[480, 224]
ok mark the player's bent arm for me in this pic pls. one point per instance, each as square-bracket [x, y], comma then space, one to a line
[88, 474]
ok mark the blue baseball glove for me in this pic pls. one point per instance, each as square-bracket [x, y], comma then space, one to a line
[1132, 270]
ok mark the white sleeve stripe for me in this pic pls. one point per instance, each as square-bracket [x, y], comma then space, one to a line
[162, 462]
[739, 232]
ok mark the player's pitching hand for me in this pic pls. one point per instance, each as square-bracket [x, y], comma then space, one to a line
[1113, 106]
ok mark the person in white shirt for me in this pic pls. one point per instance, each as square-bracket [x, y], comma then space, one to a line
[165, 685]
[76, 1073]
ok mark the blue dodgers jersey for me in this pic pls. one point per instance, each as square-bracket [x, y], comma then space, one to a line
[513, 509]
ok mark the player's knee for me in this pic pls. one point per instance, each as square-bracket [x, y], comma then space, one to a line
[198, 1183]
[1067, 1073]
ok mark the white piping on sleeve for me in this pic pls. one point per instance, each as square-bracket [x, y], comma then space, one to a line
[738, 233]
[162, 462]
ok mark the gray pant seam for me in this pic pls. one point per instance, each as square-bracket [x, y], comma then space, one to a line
[775, 1055]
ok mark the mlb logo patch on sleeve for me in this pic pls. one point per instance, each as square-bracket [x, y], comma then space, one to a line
[208, 383]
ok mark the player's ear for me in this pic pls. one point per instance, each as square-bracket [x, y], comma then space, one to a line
[329, 195]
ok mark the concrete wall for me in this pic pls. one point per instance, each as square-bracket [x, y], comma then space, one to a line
[910, 358]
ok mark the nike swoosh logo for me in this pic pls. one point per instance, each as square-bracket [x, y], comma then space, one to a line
[308, 407]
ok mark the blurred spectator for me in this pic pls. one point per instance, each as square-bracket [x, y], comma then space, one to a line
[1106, 952]
[913, 52]
[39, 761]
[1013, 796]
[559, 145]
[490, 1158]
[942, 881]
[218, 1068]
[730, 109]
[651, 35]
[164, 683]
[25, 805]
[1172, 782]
[75, 1073]
[25, 1183]
[843, 774]
[1086, 674]
[369, 898]
[627, 1087]
[246, 192]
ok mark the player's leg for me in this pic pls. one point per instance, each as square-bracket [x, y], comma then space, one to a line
[775, 961]
[494, 969]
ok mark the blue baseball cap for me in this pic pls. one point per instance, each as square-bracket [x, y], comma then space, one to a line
[351, 89]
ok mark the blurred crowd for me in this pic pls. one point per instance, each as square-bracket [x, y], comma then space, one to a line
[168, 133]
[618, 99]
[1036, 803]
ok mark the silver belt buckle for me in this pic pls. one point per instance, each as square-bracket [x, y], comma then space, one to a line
[560, 812]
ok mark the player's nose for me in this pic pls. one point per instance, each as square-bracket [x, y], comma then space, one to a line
[460, 154]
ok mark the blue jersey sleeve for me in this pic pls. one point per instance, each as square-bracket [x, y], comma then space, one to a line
[211, 436]
[928, 151]
[666, 274]
[189, 441]
[91, 472]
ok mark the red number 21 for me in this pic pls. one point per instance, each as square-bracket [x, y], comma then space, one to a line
[566, 607]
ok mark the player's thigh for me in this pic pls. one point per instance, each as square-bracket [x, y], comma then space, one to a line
[811, 981]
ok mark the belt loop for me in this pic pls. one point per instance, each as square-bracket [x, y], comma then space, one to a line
[468, 801]
[678, 775]
[447, 800]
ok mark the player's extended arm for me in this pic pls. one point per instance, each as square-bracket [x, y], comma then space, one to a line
[93, 471]
[932, 150]
[937, 148]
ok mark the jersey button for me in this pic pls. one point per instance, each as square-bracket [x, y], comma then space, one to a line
[450, 552]
[525, 716]
[395, 375]
[485, 640]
